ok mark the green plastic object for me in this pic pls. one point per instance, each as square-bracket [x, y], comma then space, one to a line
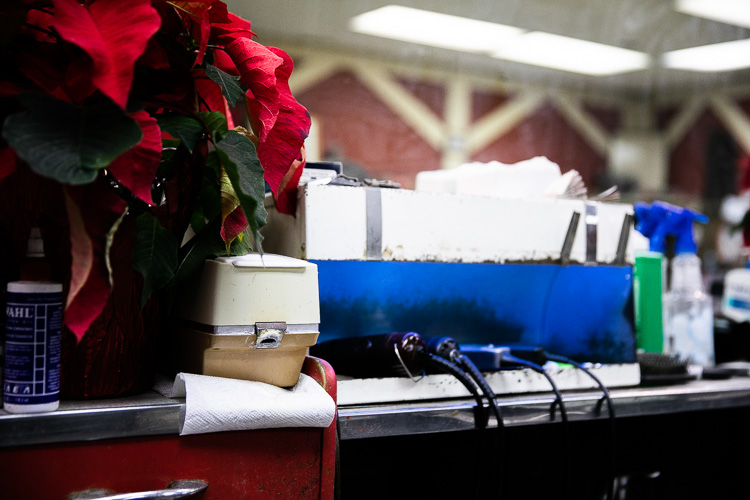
[647, 292]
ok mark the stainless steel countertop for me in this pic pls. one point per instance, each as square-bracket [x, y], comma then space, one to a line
[532, 409]
[146, 414]
[151, 414]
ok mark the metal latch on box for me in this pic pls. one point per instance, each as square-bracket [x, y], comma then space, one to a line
[269, 335]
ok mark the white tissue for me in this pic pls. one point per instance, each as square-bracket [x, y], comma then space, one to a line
[525, 179]
[216, 404]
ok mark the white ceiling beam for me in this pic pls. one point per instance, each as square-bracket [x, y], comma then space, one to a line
[690, 111]
[574, 113]
[457, 121]
[405, 105]
[733, 118]
[501, 120]
[313, 70]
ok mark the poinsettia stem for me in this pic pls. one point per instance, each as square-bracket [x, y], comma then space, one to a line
[203, 101]
[135, 205]
[178, 7]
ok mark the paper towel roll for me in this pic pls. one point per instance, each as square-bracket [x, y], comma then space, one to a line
[215, 404]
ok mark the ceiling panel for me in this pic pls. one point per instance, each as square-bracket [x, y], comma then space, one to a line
[651, 26]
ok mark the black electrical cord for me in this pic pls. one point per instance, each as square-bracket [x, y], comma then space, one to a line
[507, 357]
[562, 359]
[447, 348]
[475, 374]
[492, 451]
[498, 444]
[535, 367]
[480, 415]
[610, 409]
[392, 354]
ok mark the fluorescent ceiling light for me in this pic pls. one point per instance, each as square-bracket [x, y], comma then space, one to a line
[434, 29]
[725, 56]
[571, 54]
[500, 41]
[735, 12]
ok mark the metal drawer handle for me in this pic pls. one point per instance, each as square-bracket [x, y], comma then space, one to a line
[177, 489]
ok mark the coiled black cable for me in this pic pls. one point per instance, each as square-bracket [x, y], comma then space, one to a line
[493, 449]
[470, 368]
[610, 409]
[392, 354]
[606, 397]
[480, 415]
[447, 348]
[507, 357]
[498, 443]
[535, 367]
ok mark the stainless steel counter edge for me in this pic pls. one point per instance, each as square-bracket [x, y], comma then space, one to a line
[151, 414]
[147, 414]
[369, 421]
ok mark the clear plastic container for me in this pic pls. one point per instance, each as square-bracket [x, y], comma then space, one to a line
[688, 313]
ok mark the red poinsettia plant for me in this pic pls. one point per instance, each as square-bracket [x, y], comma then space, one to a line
[132, 105]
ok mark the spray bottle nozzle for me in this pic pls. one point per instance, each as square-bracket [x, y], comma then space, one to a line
[660, 219]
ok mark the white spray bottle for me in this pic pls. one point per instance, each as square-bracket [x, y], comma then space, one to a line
[688, 309]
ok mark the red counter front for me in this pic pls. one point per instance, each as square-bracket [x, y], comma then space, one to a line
[280, 463]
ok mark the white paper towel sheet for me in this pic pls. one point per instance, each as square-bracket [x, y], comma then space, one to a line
[215, 404]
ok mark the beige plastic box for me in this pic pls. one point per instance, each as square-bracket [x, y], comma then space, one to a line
[249, 317]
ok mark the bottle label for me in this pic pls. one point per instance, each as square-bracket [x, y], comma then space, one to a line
[738, 304]
[32, 348]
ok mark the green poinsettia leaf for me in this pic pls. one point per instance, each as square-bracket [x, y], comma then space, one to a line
[208, 204]
[204, 245]
[240, 160]
[230, 84]
[186, 128]
[241, 245]
[216, 124]
[167, 167]
[154, 254]
[213, 167]
[67, 142]
[197, 218]
[207, 207]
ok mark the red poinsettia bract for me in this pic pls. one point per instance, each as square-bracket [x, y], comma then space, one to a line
[151, 58]
[112, 37]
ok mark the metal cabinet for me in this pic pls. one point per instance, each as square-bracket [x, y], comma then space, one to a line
[131, 445]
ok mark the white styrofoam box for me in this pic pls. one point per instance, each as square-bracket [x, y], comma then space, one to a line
[395, 389]
[250, 289]
[331, 224]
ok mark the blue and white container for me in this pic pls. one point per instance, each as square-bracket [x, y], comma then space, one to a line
[481, 269]
[735, 303]
[34, 314]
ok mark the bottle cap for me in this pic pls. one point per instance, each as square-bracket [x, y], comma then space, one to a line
[34, 287]
[35, 245]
